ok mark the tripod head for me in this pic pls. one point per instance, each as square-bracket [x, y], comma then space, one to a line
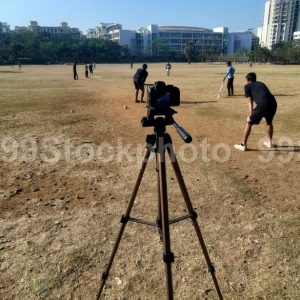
[164, 119]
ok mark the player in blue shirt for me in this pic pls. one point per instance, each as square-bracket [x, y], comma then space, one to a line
[230, 76]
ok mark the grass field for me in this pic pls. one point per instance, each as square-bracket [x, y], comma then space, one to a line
[70, 154]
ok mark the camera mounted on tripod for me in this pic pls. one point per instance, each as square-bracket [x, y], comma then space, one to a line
[160, 98]
[162, 95]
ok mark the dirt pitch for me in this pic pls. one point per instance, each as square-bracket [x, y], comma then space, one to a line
[64, 186]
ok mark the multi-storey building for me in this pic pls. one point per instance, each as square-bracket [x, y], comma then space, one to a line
[296, 35]
[53, 30]
[281, 20]
[114, 32]
[298, 19]
[155, 40]
[172, 39]
[243, 40]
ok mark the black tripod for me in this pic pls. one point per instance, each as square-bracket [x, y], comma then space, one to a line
[158, 142]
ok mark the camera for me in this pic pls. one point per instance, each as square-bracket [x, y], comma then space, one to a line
[161, 95]
[160, 99]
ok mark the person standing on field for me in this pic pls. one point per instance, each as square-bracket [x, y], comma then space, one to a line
[266, 107]
[168, 68]
[230, 77]
[91, 69]
[86, 70]
[139, 79]
[75, 75]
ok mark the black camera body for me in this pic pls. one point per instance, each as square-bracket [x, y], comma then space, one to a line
[160, 114]
[160, 99]
[162, 95]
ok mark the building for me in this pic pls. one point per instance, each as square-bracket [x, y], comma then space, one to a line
[4, 28]
[155, 40]
[53, 30]
[239, 41]
[91, 33]
[114, 32]
[296, 35]
[298, 18]
[172, 39]
[281, 20]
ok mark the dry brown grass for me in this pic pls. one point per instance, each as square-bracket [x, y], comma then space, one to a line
[59, 221]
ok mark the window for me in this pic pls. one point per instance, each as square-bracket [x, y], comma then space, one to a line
[164, 35]
[175, 35]
[187, 35]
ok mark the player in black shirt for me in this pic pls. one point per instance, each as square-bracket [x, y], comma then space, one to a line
[139, 79]
[266, 106]
[75, 75]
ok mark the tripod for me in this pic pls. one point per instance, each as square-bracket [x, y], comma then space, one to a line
[158, 142]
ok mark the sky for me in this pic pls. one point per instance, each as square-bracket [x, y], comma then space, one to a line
[237, 15]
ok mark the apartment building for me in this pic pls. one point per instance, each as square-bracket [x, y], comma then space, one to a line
[114, 32]
[281, 20]
[53, 30]
[297, 35]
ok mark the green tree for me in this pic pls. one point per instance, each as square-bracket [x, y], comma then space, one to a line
[160, 49]
[190, 51]
[294, 54]
[280, 52]
[260, 54]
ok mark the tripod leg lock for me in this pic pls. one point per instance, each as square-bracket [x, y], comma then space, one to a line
[194, 215]
[124, 219]
[211, 269]
[169, 257]
[104, 276]
[158, 223]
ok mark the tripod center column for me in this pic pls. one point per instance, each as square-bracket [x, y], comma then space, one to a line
[168, 256]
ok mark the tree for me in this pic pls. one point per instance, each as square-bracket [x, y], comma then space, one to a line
[260, 54]
[241, 55]
[190, 51]
[48, 48]
[280, 51]
[160, 49]
[125, 52]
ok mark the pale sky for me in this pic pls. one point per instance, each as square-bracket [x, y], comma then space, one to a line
[238, 15]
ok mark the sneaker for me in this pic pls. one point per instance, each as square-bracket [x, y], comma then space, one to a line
[240, 147]
[268, 144]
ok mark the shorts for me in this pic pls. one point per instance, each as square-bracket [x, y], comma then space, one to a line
[258, 114]
[138, 85]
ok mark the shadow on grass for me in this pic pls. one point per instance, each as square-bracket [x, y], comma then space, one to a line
[198, 102]
[17, 72]
[232, 97]
[283, 95]
[278, 148]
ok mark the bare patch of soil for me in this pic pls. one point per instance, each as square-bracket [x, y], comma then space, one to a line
[64, 192]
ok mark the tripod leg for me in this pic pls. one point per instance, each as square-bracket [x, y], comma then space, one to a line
[124, 221]
[194, 218]
[158, 220]
[168, 255]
